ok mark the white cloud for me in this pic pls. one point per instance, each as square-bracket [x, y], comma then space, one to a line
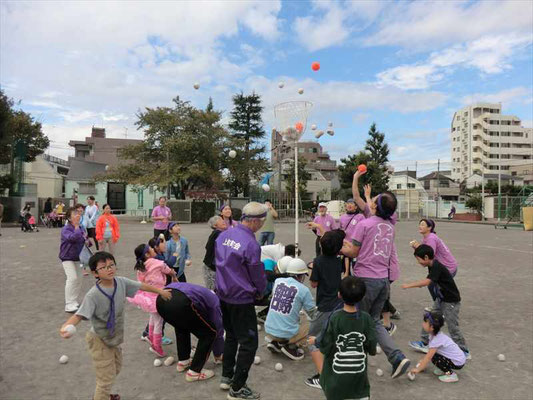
[319, 32]
[490, 55]
[361, 117]
[423, 25]
[514, 95]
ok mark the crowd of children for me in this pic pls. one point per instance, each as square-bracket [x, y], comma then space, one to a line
[356, 262]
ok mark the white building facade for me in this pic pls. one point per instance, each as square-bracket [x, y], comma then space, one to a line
[485, 141]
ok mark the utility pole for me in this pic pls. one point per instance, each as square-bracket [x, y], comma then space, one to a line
[408, 194]
[499, 176]
[438, 190]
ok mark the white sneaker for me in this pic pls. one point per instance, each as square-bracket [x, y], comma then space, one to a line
[449, 378]
[438, 372]
[183, 365]
[192, 376]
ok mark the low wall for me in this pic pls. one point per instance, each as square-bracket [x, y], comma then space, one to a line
[467, 217]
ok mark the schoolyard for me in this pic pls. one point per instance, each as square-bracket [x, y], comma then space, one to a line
[495, 278]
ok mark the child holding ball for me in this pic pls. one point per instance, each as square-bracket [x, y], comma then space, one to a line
[443, 352]
[103, 305]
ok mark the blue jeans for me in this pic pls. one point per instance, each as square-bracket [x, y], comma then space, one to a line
[377, 293]
[266, 238]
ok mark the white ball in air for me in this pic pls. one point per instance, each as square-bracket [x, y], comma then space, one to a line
[301, 91]
[196, 86]
[63, 359]
[330, 124]
[279, 367]
[411, 376]
[319, 134]
[232, 154]
[313, 127]
[265, 187]
[257, 360]
[157, 362]
[70, 329]
[379, 372]
[169, 361]
[501, 357]
[330, 132]
[281, 85]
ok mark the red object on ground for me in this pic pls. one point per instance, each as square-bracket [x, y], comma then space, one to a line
[361, 168]
[315, 66]
[299, 127]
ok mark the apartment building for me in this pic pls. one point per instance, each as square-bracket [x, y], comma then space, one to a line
[484, 140]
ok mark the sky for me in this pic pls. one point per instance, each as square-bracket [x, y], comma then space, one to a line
[405, 65]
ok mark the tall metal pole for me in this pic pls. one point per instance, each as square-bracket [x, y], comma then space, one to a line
[438, 190]
[296, 221]
[408, 195]
[499, 176]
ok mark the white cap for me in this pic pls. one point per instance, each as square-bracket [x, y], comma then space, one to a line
[297, 266]
[322, 205]
[283, 264]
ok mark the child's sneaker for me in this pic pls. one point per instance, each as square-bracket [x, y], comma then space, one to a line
[243, 393]
[438, 372]
[166, 341]
[391, 330]
[314, 381]
[292, 352]
[449, 377]
[467, 355]
[396, 315]
[225, 383]
[274, 347]
[419, 345]
[145, 338]
[158, 351]
[192, 376]
[183, 365]
[400, 366]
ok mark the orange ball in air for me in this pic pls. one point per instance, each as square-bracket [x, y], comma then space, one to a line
[315, 66]
[361, 168]
[299, 127]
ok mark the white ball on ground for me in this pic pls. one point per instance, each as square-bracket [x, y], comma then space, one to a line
[157, 362]
[107, 167]
[22, 246]
[281, 84]
[279, 367]
[265, 187]
[232, 154]
[411, 376]
[259, 327]
[196, 86]
[169, 361]
[63, 359]
[501, 357]
[70, 329]
[379, 372]
[188, 263]
[301, 91]
[378, 349]
[257, 360]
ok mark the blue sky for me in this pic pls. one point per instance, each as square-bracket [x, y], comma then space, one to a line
[405, 65]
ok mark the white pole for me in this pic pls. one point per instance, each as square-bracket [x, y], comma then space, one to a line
[296, 226]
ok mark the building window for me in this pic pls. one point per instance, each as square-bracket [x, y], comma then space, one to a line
[140, 198]
[86, 188]
[399, 186]
[411, 186]
[301, 150]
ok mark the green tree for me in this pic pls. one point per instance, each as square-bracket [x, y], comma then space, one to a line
[303, 177]
[246, 127]
[474, 203]
[20, 136]
[379, 157]
[182, 148]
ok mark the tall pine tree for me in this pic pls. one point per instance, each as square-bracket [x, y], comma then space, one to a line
[379, 157]
[246, 127]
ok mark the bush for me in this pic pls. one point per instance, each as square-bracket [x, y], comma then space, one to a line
[475, 203]
[201, 211]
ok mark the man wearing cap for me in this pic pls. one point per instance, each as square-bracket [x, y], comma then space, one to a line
[348, 223]
[322, 223]
[240, 281]
[289, 297]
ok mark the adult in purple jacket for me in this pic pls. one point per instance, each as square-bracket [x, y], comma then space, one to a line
[194, 309]
[240, 281]
[72, 241]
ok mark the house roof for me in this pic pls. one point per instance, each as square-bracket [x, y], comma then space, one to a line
[434, 175]
[495, 176]
[84, 170]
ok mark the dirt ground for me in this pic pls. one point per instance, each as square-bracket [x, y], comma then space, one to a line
[495, 279]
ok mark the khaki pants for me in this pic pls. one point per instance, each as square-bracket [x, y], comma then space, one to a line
[300, 339]
[107, 362]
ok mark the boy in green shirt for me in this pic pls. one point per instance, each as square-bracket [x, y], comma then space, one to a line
[348, 340]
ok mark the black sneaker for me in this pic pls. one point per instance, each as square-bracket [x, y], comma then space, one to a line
[292, 352]
[274, 347]
[396, 315]
[400, 366]
[314, 381]
[391, 329]
[243, 393]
